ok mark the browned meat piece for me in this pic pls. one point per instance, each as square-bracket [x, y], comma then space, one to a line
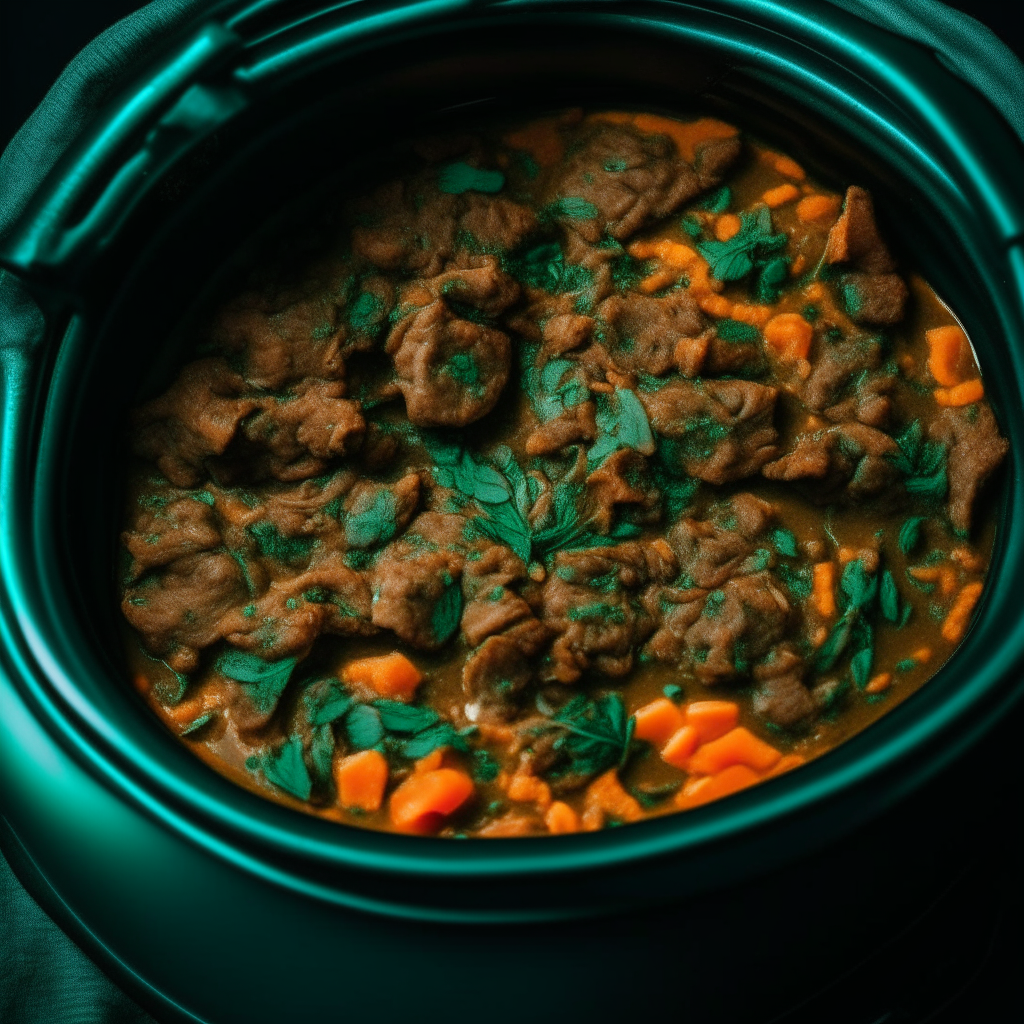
[328, 597]
[781, 696]
[377, 513]
[628, 178]
[975, 451]
[848, 366]
[406, 226]
[491, 603]
[161, 535]
[280, 346]
[566, 331]
[481, 284]
[678, 611]
[619, 480]
[874, 298]
[739, 624]
[179, 612]
[301, 510]
[588, 602]
[450, 371]
[873, 294]
[641, 331]
[717, 431]
[416, 582]
[492, 677]
[851, 455]
[495, 222]
[753, 515]
[576, 425]
[294, 438]
[855, 238]
[195, 418]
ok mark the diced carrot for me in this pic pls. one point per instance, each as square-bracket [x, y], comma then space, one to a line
[944, 575]
[786, 764]
[880, 683]
[657, 721]
[789, 167]
[968, 559]
[425, 799]
[961, 394]
[431, 762]
[923, 655]
[605, 796]
[390, 675]
[658, 280]
[739, 746]
[713, 787]
[727, 226]
[561, 819]
[681, 744]
[687, 135]
[525, 788]
[796, 268]
[781, 194]
[819, 637]
[712, 718]
[948, 354]
[955, 626]
[715, 305]
[817, 209]
[789, 334]
[541, 140]
[361, 779]
[823, 592]
[752, 314]
[815, 292]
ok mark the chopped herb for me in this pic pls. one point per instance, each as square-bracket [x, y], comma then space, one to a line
[622, 423]
[485, 766]
[718, 202]
[264, 681]
[889, 597]
[733, 259]
[572, 207]
[737, 332]
[272, 544]
[910, 534]
[672, 691]
[651, 796]
[459, 177]
[906, 664]
[372, 521]
[444, 620]
[284, 768]
[196, 724]
[785, 542]
[596, 734]
[860, 666]
[363, 727]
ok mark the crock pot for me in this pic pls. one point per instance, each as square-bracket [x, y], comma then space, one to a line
[209, 903]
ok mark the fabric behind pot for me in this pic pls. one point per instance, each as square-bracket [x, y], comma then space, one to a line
[44, 977]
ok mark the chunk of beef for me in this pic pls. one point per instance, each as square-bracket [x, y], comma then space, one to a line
[512, 825]
[619, 480]
[416, 582]
[491, 602]
[451, 371]
[180, 611]
[843, 366]
[280, 346]
[493, 677]
[406, 226]
[305, 510]
[477, 286]
[781, 696]
[975, 450]
[717, 431]
[377, 513]
[196, 418]
[564, 332]
[739, 624]
[850, 455]
[327, 597]
[576, 425]
[495, 222]
[294, 438]
[161, 534]
[590, 602]
[618, 178]
[873, 294]
[641, 331]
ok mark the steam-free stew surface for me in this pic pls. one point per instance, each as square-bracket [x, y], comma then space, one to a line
[596, 468]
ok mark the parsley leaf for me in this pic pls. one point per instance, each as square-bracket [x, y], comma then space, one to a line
[922, 463]
[733, 259]
[737, 331]
[284, 768]
[910, 534]
[785, 542]
[265, 681]
[372, 522]
[363, 727]
[459, 177]
[596, 734]
[622, 422]
[444, 619]
[572, 207]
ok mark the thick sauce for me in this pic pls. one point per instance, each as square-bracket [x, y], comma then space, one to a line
[604, 466]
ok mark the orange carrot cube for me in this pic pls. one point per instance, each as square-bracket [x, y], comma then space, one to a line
[739, 746]
[361, 779]
[423, 801]
[561, 819]
[680, 746]
[657, 721]
[712, 718]
[390, 675]
[713, 787]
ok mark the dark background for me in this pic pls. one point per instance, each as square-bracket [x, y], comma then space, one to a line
[38, 37]
[978, 920]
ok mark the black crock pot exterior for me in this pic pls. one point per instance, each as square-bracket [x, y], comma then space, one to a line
[194, 890]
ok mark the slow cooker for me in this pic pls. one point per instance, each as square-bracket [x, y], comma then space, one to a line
[207, 903]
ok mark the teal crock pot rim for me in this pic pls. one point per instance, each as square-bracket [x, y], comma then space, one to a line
[44, 241]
